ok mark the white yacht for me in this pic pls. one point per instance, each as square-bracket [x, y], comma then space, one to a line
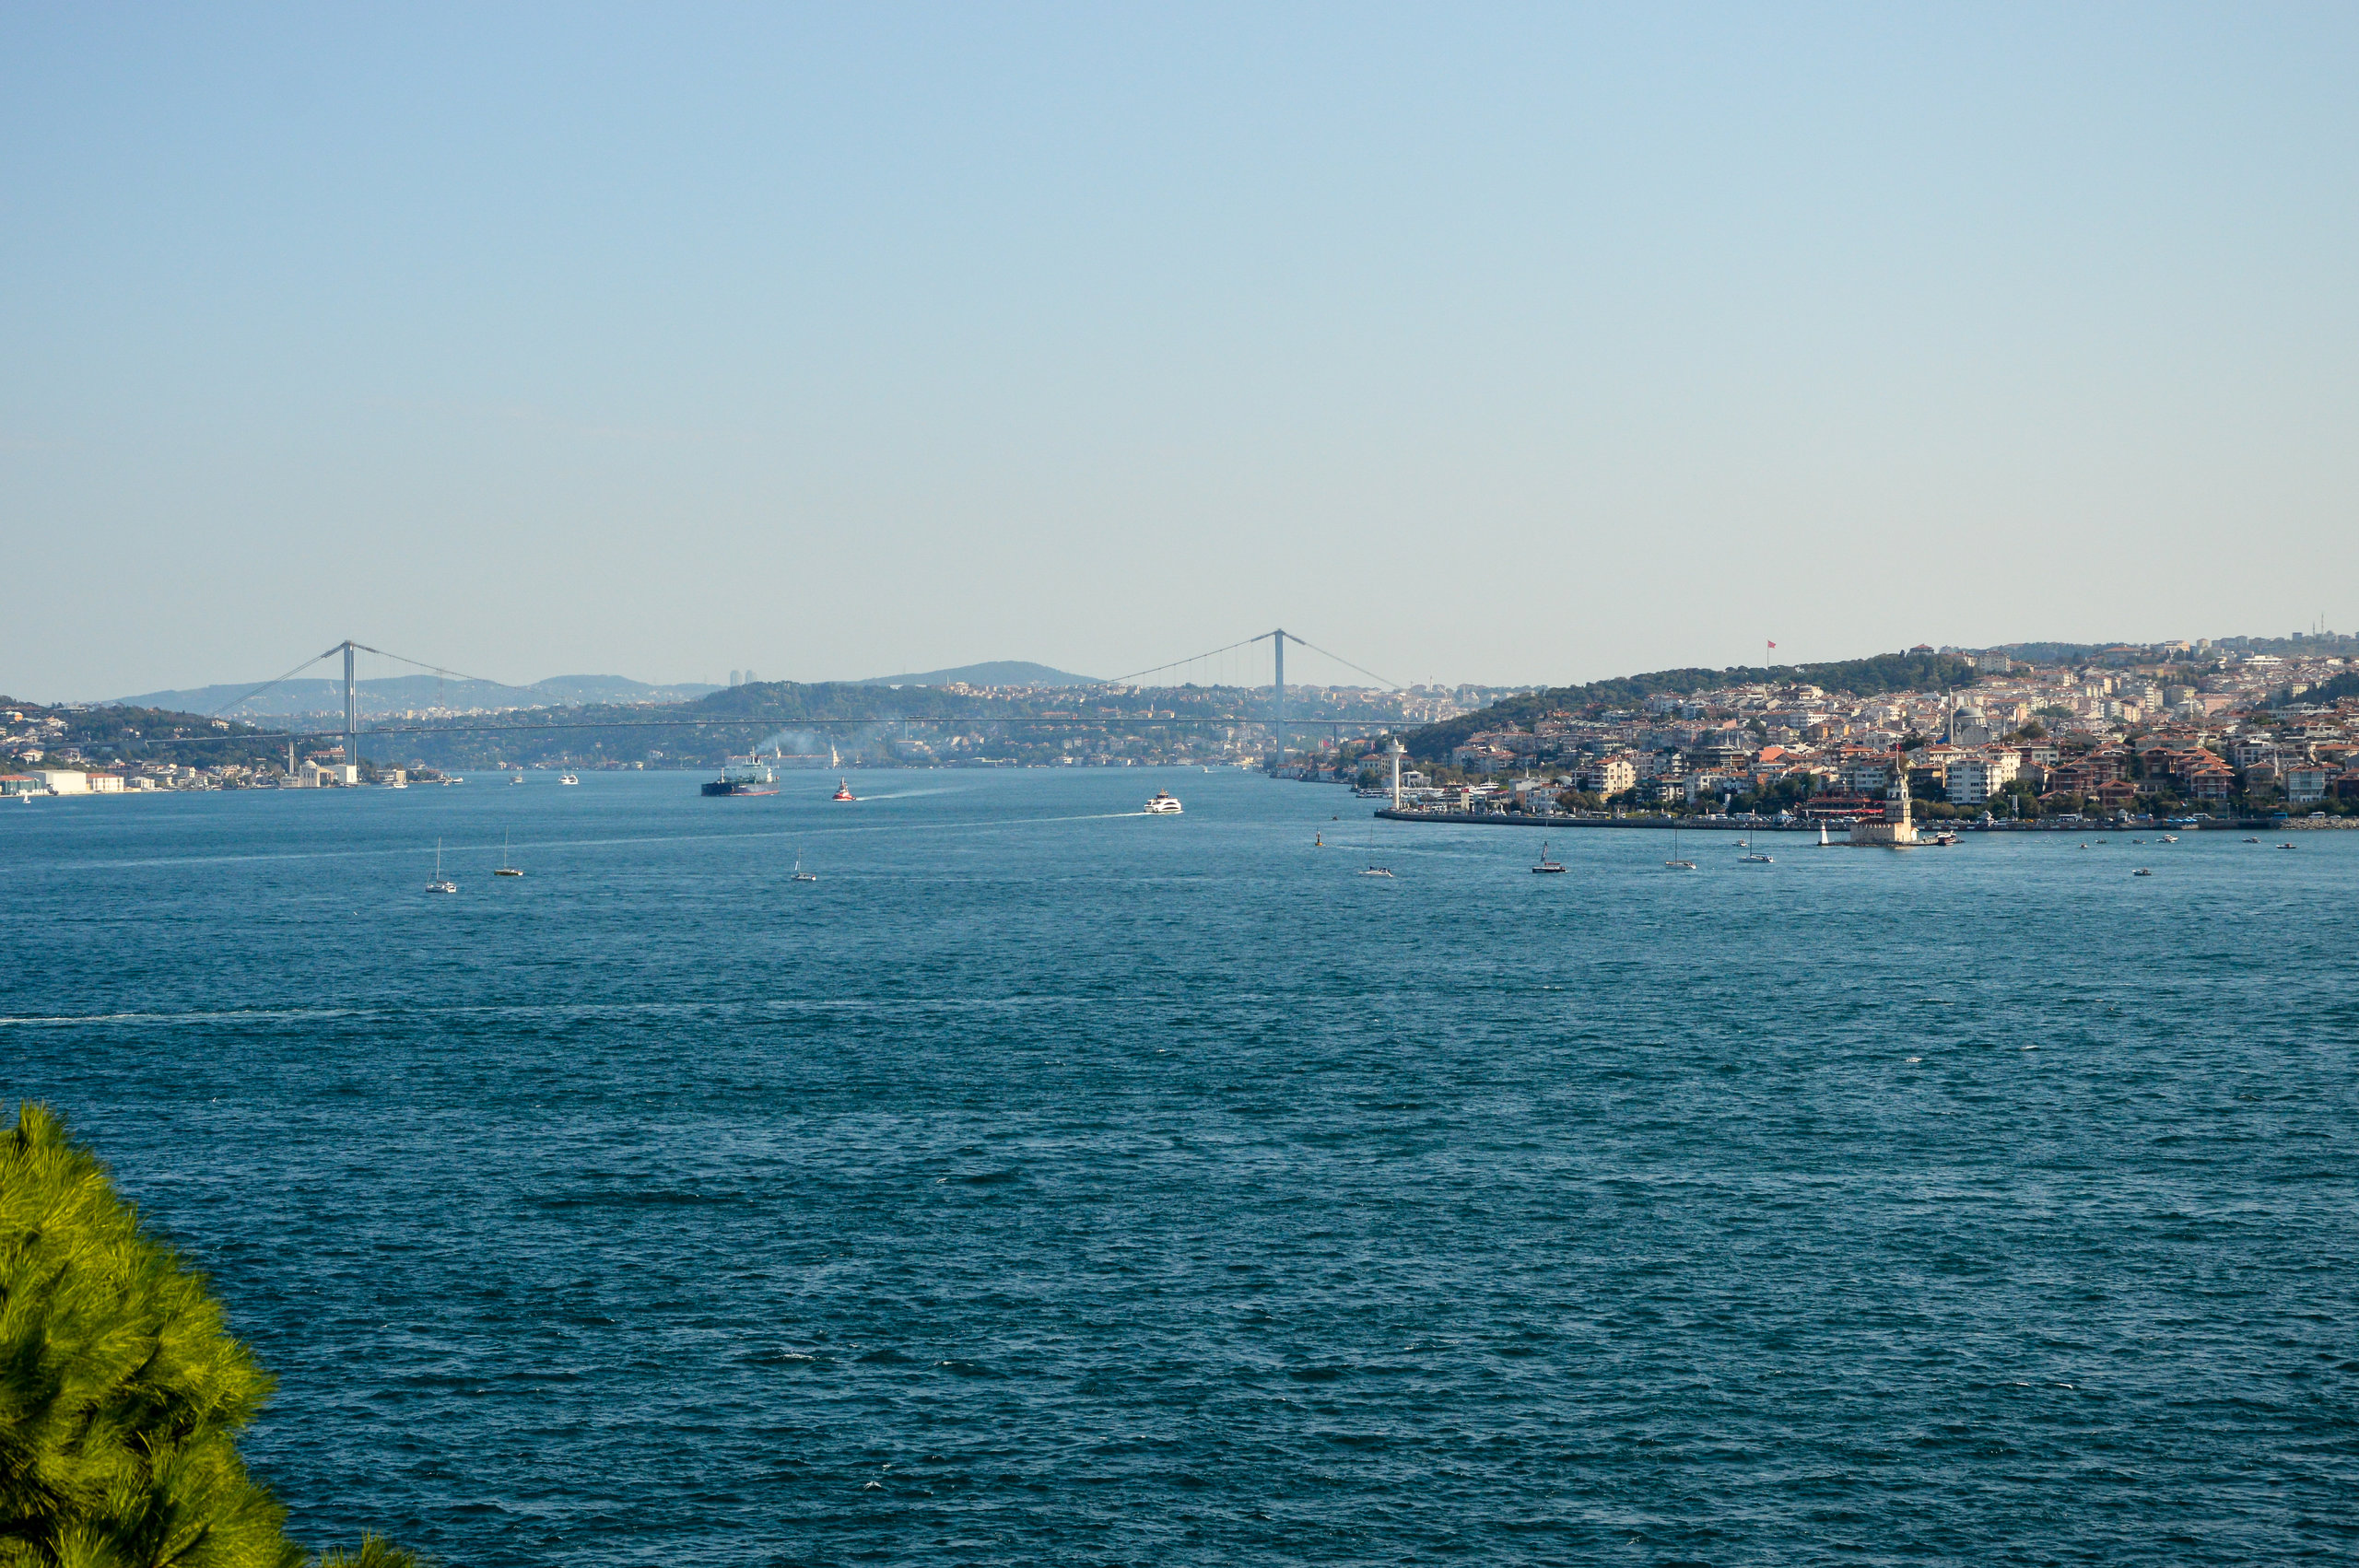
[1164, 803]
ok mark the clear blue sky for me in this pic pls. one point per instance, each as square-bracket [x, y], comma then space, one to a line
[1487, 343]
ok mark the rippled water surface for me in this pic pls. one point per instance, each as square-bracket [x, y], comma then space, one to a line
[1052, 1184]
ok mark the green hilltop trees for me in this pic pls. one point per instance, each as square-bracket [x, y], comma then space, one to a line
[120, 1390]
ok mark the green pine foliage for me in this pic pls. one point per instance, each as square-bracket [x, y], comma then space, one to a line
[375, 1552]
[120, 1390]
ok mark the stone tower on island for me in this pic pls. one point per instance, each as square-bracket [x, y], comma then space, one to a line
[1898, 828]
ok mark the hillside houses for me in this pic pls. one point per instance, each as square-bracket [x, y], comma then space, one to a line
[2189, 728]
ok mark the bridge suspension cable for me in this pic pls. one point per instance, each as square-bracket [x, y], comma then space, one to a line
[381, 653]
[1247, 642]
[439, 670]
[1158, 669]
[1344, 661]
[274, 681]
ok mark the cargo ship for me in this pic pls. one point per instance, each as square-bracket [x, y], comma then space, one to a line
[743, 776]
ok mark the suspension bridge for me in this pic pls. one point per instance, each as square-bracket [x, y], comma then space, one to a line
[546, 717]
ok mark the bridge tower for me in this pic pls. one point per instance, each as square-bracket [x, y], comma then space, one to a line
[1278, 692]
[351, 713]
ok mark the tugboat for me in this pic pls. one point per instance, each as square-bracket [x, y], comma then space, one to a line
[1164, 804]
[843, 791]
[743, 776]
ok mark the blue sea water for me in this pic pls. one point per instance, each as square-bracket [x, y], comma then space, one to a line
[1049, 1183]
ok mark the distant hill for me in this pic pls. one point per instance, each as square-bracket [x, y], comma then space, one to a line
[998, 672]
[311, 695]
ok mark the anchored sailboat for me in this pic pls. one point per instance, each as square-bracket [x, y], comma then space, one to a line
[1676, 863]
[504, 868]
[440, 882]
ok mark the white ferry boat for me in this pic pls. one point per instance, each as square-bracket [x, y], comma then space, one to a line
[1164, 804]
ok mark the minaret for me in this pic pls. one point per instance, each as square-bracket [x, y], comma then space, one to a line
[1900, 775]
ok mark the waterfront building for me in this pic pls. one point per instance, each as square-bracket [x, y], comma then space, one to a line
[1606, 776]
[1972, 780]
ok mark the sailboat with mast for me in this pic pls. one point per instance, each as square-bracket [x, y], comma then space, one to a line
[1677, 862]
[800, 875]
[440, 882]
[506, 867]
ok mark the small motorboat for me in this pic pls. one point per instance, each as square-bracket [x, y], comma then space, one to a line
[843, 791]
[2284, 846]
[1163, 803]
[1377, 870]
[2252, 840]
[2170, 837]
[2141, 872]
[1546, 866]
[567, 778]
[515, 778]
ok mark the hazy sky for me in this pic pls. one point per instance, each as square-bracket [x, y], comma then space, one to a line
[1479, 343]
